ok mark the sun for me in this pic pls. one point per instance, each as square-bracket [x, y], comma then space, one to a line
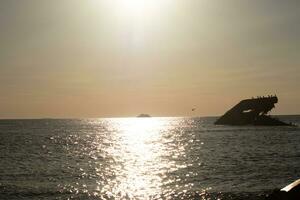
[134, 23]
[135, 7]
[140, 9]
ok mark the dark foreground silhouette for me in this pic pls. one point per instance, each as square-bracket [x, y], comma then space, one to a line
[252, 112]
[290, 192]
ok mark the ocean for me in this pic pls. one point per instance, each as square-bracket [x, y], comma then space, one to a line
[145, 158]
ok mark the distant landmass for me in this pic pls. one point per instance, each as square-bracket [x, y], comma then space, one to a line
[143, 115]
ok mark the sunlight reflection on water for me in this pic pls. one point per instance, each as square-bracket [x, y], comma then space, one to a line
[144, 158]
[137, 158]
[137, 152]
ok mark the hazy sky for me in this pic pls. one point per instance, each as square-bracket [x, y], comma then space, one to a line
[105, 58]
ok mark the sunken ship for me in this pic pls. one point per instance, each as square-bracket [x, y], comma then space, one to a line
[252, 112]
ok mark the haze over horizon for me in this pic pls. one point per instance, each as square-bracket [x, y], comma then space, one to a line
[114, 58]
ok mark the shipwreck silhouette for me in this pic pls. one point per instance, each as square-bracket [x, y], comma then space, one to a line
[252, 112]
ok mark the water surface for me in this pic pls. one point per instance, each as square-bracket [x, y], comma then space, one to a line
[145, 158]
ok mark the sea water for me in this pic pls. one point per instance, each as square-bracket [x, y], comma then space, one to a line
[145, 158]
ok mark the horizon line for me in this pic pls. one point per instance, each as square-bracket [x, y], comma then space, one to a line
[55, 118]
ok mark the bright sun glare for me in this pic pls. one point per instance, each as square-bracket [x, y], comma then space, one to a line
[138, 8]
[133, 6]
[135, 22]
[135, 151]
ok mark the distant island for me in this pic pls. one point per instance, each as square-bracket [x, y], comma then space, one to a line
[143, 115]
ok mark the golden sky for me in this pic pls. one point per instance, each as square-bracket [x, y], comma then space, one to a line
[117, 58]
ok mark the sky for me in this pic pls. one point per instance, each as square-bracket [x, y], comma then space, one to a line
[120, 58]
